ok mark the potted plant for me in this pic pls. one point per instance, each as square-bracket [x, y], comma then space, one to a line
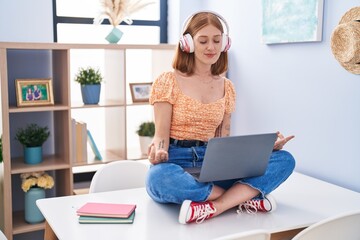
[90, 82]
[32, 137]
[146, 133]
[34, 185]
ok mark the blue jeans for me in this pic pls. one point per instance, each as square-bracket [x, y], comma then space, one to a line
[169, 183]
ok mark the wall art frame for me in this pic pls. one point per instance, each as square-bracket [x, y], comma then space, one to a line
[286, 21]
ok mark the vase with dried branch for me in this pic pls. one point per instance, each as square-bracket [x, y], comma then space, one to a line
[118, 11]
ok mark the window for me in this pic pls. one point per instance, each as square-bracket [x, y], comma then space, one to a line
[73, 23]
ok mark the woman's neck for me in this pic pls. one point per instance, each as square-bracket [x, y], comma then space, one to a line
[206, 73]
[202, 70]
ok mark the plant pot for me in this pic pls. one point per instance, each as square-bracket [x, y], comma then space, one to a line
[90, 93]
[32, 212]
[33, 155]
[114, 36]
[144, 144]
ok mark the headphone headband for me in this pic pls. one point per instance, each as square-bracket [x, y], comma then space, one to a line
[187, 43]
[222, 19]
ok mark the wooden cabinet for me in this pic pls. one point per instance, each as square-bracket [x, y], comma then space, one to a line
[112, 122]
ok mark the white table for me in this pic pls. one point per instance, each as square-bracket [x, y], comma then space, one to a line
[301, 200]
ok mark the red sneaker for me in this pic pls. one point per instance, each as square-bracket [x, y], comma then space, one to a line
[267, 204]
[195, 211]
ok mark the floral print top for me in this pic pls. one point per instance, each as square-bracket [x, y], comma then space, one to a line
[191, 119]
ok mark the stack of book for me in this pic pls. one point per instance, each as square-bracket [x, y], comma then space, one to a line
[93, 212]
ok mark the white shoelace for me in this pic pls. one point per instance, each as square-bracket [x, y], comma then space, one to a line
[202, 212]
[250, 207]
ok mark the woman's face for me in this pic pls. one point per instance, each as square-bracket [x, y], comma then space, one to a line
[207, 44]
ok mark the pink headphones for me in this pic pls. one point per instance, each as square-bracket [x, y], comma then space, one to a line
[187, 43]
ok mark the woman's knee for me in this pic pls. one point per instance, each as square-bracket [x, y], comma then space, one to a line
[158, 174]
[285, 159]
[162, 177]
[289, 158]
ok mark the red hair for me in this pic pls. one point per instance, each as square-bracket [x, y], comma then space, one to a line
[185, 62]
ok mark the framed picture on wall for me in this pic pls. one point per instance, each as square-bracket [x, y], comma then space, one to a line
[34, 92]
[286, 21]
[140, 92]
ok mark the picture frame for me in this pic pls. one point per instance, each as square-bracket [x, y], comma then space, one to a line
[34, 92]
[140, 92]
[292, 21]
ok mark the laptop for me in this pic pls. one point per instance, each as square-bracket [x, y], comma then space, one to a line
[235, 157]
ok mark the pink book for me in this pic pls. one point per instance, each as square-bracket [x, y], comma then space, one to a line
[106, 210]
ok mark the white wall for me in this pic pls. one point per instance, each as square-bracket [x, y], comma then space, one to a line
[178, 11]
[298, 89]
[26, 21]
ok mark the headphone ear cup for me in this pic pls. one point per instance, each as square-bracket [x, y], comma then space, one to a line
[186, 43]
[226, 43]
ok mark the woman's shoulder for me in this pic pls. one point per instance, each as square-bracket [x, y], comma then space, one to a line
[229, 84]
[166, 80]
[227, 81]
[163, 88]
[166, 77]
[230, 96]
[230, 89]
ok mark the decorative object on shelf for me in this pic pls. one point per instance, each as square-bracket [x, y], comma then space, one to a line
[34, 185]
[32, 137]
[292, 21]
[93, 146]
[140, 92]
[118, 11]
[34, 92]
[146, 133]
[114, 36]
[345, 41]
[90, 83]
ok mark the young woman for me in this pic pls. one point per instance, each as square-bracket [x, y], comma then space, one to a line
[192, 104]
[29, 94]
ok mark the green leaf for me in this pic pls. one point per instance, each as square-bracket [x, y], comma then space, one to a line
[146, 129]
[32, 135]
[88, 76]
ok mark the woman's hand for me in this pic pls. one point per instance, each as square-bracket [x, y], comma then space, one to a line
[157, 155]
[281, 141]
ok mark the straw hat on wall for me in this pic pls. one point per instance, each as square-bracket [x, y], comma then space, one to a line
[345, 41]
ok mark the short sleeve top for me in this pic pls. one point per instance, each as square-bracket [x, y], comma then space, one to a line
[191, 119]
